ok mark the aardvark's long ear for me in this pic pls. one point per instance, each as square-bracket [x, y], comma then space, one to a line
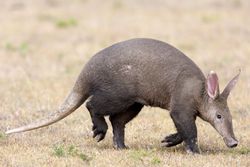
[212, 85]
[230, 85]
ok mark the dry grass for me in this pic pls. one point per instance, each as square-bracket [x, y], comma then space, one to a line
[45, 43]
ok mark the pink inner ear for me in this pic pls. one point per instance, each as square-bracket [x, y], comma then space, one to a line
[212, 85]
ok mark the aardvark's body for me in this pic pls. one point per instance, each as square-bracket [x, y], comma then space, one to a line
[124, 77]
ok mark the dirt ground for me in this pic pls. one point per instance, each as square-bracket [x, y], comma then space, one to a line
[44, 44]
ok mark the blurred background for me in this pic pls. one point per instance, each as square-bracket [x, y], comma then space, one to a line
[61, 35]
[44, 44]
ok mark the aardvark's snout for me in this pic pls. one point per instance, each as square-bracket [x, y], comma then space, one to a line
[231, 142]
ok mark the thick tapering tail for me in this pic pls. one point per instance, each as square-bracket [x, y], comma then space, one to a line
[72, 102]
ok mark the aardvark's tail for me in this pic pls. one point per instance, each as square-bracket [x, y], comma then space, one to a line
[72, 102]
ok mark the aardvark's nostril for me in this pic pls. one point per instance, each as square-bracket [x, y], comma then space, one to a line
[231, 142]
[233, 145]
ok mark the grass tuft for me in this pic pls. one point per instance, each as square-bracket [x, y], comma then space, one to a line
[69, 151]
[72, 150]
[244, 150]
[10, 47]
[237, 151]
[83, 157]
[22, 48]
[139, 154]
[59, 151]
[211, 18]
[66, 23]
[155, 161]
[2, 136]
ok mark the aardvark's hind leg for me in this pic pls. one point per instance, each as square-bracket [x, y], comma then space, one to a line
[100, 126]
[119, 121]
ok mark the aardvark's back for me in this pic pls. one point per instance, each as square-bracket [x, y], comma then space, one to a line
[144, 69]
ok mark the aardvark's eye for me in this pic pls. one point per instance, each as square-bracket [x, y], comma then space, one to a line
[218, 116]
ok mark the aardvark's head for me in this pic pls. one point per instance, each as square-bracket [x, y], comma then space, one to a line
[215, 109]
